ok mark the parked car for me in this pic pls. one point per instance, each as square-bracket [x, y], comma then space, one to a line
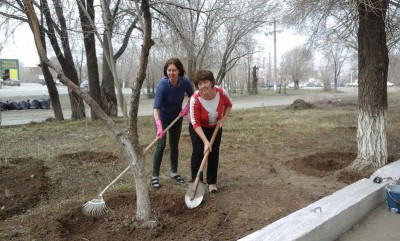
[390, 84]
[353, 84]
[12, 82]
[85, 85]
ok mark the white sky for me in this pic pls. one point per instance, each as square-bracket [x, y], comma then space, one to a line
[24, 48]
[285, 41]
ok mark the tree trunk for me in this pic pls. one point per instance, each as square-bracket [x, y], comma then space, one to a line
[254, 82]
[91, 56]
[110, 104]
[51, 86]
[372, 86]
[143, 210]
[53, 92]
[65, 59]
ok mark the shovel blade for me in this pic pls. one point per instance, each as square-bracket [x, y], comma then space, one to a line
[198, 197]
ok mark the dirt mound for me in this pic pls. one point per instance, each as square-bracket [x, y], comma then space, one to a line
[88, 156]
[323, 164]
[23, 185]
[300, 104]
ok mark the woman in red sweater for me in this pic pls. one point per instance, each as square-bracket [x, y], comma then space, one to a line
[209, 106]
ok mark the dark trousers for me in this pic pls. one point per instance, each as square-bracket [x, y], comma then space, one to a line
[197, 154]
[173, 135]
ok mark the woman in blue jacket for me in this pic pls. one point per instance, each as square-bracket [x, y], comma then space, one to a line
[170, 93]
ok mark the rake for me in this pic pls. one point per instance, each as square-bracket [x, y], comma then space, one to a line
[97, 206]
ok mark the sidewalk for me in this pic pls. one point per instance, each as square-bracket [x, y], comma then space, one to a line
[380, 224]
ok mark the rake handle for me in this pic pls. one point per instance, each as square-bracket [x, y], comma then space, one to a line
[203, 163]
[116, 179]
[165, 131]
[147, 148]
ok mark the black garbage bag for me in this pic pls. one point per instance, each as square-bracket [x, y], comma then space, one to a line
[44, 103]
[34, 104]
[24, 104]
[3, 106]
[12, 105]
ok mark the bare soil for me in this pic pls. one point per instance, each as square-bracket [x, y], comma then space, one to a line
[257, 185]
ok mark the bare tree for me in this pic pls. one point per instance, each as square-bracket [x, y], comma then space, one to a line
[132, 149]
[254, 80]
[373, 64]
[336, 58]
[326, 72]
[220, 26]
[297, 63]
[370, 20]
[60, 41]
[87, 15]
[394, 69]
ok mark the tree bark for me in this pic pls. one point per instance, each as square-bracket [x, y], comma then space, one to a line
[53, 92]
[51, 86]
[372, 88]
[254, 81]
[108, 95]
[143, 200]
[91, 56]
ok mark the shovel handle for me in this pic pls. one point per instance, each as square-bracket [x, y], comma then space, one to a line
[203, 162]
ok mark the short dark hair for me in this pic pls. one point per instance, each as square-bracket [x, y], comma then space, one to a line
[201, 75]
[177, 63]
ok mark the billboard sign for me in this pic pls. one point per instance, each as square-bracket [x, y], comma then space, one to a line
[9, 68]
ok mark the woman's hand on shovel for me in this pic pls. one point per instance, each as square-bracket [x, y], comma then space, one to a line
[207, 147]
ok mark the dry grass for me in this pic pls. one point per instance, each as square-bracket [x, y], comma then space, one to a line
[274, 127]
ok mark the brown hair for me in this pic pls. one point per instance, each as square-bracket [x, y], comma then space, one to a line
[177, 63]
[201, 75]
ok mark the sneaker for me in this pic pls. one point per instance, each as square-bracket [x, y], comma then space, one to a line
[213, 188]
[154, 182]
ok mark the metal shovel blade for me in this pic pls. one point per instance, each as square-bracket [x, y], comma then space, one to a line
[198, 197]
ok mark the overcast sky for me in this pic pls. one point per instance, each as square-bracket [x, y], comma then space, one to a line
[24, 48]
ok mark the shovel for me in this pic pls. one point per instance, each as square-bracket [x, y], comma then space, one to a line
[195, 192]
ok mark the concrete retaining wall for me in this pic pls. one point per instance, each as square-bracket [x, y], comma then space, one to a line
[331, 216]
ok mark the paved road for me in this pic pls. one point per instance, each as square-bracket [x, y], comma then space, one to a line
[145, 108]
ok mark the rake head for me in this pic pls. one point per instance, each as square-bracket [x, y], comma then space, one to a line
[95, 207]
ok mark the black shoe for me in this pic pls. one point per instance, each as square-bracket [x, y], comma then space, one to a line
[178, 179]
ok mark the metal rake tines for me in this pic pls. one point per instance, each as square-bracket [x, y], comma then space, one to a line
[95, 207]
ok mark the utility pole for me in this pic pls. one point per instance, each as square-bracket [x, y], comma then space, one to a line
[275, 76]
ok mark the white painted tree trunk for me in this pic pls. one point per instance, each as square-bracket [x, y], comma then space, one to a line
[373, 62]
[372, 141]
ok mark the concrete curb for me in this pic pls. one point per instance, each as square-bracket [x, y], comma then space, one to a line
[331, 216]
